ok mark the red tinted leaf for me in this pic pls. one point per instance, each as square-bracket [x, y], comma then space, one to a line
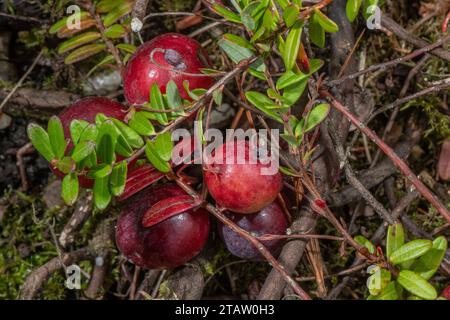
[444, 161]
[138, 179]
[167, 208]
[303, 60]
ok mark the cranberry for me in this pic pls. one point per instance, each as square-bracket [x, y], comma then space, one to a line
[241, 188]
[167, 244]
[171, 52]
[446, 293]
[270, 220]
[86, 109]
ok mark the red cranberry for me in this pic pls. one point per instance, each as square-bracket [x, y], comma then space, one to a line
[167, 244]
[241, 188]
[170, 51]
[86, 109]
[270, 220]
[446, 293]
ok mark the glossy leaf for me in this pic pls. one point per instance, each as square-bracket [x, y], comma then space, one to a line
[85, 23]
[102, 196]
[76, 128]
[132, 137]
[427, 265]
[164, 146]
[234, 51]
[292, 45]
[127, 48]
[89, 133]
[106, 141]
[316, 32]
[141, 124]
[82, 150]
[118, 178]
[352, 9]
[56, 136]
[395, 238]
[41, 141]
[290, 15]
[99, 171]
[378, 280]
[60, 24]
[388, 293]
[69, 188]
[115, 31]
[411, 250]
[173, 95]
[78, 41]
[327, 24]
[289, 77]
[316, 116]
[152, 155]
[261, 102]
[292, 93]
[118, 12]
[167, 208]
[365, 243]
[227, 14]
[416, 285]
[238, 40]
[84, 52]
[157, 103]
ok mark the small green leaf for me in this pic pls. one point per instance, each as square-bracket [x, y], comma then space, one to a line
[56, 136]
[105, 6]
[352, 9]
[66, 165]
[155, 160]
[292, 45]
[123, 147]
[84, 52]
[365, 243]
[69, 188]
[41, 141]
[118, 178]
[76, 128]
[327, 24]
[247, 16]
[102, 196]
[234, 51]
[290, 15]
[378, 281]
[173, 95]
[388, 293]
[90, 133]
[141, 124]
[429, 263]
[106, 141]
[127, 48]
[78, 41]
[132, 137]
[63, 22]
[316, 32]
[261, 102]
[316, 116]
[292, 93]
[395, 238]
[99, 171]
[157, 103]
[416, 285]
[238, 40]
[227, 14]
[115, 31]
[289, 77]
[118, 12]
[82, 150]
[411, 250]
[164, 146]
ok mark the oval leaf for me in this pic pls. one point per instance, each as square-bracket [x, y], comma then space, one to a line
[411, 250]
[82, 150]
[327, 24]
[102, 196]
[78, 41]
[395, 238]
[352, 9]
[292, 45]
[416, 285]
[118, 12]
[84, 52]
[429, 263]
[69, 191]
[155, 160]
[56, 136]
[118, 178]
[115, 31]
[41, 141]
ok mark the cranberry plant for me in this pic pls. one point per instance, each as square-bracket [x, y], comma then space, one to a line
[404, 269]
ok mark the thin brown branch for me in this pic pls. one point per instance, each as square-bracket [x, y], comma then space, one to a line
[399, 163]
